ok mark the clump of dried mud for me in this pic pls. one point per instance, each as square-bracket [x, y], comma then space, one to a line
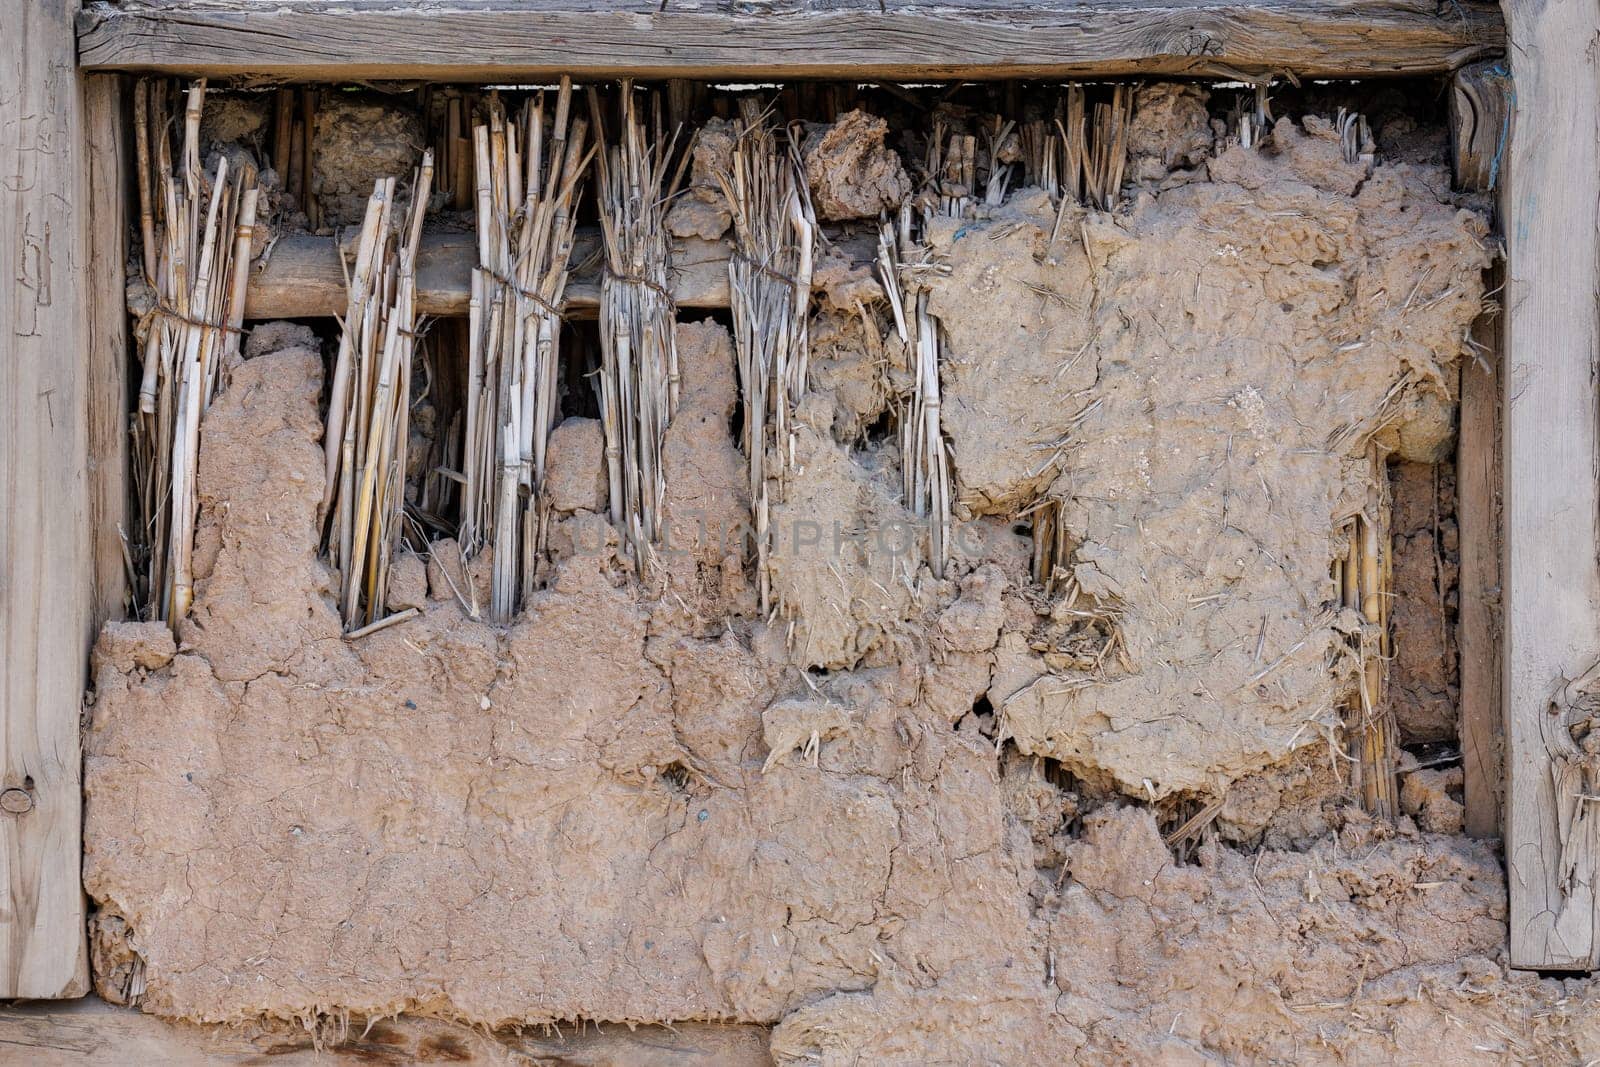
[852, 173]
[898, 820]
[1201, 381]
[1423, 688]
[359, 139]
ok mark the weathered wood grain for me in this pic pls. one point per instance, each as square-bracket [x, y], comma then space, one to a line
[1478, 628]
[45, 558]
[521, 39]
[302, 277]
[1480, 123]
[109, 162]
[92, 1033]
[1552, 495]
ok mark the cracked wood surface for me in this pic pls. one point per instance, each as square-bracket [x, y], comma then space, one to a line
[45, 622]
[511, 39]
[1552, 498]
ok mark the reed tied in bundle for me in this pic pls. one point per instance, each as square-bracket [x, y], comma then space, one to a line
[924, 457]
[639, 378]
[529, 172]
[769, 274]
[369, 403]
[197, 231]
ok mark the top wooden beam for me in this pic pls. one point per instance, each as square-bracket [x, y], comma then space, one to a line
[521, 40]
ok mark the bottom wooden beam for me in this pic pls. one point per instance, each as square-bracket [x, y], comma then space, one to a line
[92, 1033]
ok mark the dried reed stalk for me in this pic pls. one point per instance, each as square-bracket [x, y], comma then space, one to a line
[1107, 155]
[925, 459]
[1365, 579]
[528, 175]
[369, 403]
[1355, 137]
[197, 231]
[639, 379]
[775, 234]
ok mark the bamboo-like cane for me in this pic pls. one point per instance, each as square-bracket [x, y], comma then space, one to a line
[1365, 580]
[639, 379]
[769, 276]
[924, 457]
[528, 176]
[186, 218]
[370, 402]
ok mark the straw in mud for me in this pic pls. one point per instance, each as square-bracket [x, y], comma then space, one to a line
[639, 379]
[769, 275]
[197, 232]
[925, 460]
[1364, 578]
[528, 173]
[369, 402]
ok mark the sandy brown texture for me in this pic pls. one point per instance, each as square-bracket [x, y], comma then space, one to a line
[1423, 686]
[1196, 380]
[852, 173]
[575, 471]
[702, 210]
[902, 820]
[360, 138]
[706, 505]
[1171, 130]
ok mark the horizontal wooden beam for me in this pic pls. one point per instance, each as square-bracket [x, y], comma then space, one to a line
[519, 40]
[302, 277]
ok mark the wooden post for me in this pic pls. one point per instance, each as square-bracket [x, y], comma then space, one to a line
[44, 523]
[1480, 126]
[1552, 496]
[105, 120]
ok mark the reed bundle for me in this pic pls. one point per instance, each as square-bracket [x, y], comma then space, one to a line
[1355, 137]
[1051, 550]
[1106, 152]
[639, 379]
[528, 175]
[369, 403]
[197, 232]
[925, 459]
[1254, 122]
[1078, 156]
[769, 274]
[1364, 577]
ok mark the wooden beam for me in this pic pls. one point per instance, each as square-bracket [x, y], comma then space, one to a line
[105, 122]
[510, 40]
[302, 277]
[92, 1033]
[45, 620]
[1552, 493]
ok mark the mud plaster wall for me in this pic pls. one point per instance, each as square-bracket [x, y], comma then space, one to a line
[646, 803]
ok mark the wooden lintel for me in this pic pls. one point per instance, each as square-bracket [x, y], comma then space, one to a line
[519, 40]
[302, 277]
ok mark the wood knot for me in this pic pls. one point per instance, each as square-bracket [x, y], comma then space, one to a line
[16, 801]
